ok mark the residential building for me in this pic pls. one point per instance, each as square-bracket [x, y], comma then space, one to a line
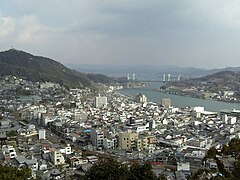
[126, 140]
[9, 152]
[66, 150]
[109, 143]
[57, 158]
[166, 102]
[97, 137]
[100, 101]
[141, 98]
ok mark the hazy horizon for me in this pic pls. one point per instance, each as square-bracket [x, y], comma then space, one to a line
[188, 33]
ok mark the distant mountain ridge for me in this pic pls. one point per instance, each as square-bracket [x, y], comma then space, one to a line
[146, 72]
[42, 69]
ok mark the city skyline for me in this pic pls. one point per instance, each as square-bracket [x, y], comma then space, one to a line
[181, 33]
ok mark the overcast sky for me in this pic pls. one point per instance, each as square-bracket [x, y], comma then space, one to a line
[199, 33]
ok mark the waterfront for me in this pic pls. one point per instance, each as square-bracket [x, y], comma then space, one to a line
[179, 101]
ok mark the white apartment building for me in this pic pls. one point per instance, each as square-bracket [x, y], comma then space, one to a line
[100, 101]
[109, 143]
[141, 98]
[57, 158]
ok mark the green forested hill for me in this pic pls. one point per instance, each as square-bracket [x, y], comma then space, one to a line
[36, 68]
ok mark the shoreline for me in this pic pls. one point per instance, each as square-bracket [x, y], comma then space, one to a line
[123, 94]
[187, 95]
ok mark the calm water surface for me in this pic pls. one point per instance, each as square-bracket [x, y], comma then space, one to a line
[179, 101]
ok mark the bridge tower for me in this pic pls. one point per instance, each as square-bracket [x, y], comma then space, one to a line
[179, 77]
[169, 77]
[164, 77]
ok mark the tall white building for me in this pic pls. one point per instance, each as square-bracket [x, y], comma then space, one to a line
[141, 98]
[42, 134]
[100, 101]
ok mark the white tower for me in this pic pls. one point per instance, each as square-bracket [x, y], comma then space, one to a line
[128, 77]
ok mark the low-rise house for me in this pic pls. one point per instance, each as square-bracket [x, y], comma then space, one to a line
[73, 137]
[197, 142]
[66, 150]
[9, 152]
[195, 158]
[211, 163]
[77, 160]
[31, 163]
[92, 159]
[184, 168]
[42, 165]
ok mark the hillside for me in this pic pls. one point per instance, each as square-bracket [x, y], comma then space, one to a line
[221, 77]
[100, 78]
[36, 68]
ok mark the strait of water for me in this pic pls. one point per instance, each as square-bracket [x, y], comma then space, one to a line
[178, 101]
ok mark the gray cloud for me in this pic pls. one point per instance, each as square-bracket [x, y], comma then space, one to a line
[184, 33]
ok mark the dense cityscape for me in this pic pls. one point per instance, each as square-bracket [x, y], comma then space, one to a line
[60, 133]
